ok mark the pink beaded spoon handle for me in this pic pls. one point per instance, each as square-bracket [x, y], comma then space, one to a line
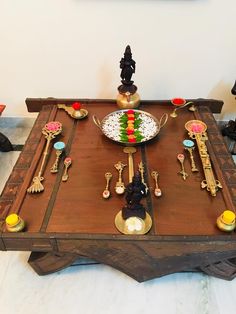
[50, 130]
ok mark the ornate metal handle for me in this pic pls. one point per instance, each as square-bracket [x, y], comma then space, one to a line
[163, 120]
[97, 122]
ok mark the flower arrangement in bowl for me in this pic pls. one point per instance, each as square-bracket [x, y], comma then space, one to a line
[130, 127]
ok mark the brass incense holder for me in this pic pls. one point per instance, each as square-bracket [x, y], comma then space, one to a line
[50, 130]
[133, 225]
[197, 131]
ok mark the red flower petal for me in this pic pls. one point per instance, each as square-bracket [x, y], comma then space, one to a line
[130, 111]
[129, 132]
[132, 140]
[178, 101]
[76, 106]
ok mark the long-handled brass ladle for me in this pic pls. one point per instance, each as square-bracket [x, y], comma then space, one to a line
[130, 151]
[50, 130]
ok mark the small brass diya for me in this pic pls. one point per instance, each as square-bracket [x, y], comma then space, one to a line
[226, 221]
[180, 103]
[14, 223]
[75, 110]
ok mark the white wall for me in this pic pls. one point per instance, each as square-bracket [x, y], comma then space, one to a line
[72, 48]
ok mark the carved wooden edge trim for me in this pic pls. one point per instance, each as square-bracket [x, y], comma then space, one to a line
[36, 104]
[222, 160]
[20, 170]
[225, 269]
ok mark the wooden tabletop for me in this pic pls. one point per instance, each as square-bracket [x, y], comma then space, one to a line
[77, 206]
[76, 209]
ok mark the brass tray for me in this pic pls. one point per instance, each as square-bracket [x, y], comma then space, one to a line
[149, 127]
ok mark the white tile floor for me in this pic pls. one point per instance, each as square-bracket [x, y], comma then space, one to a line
[99, 289]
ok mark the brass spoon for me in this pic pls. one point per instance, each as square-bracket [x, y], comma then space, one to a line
[67, 163]
[181, 159]
[157, 191]
[59, 147]
[50, 131]
[106, 193]
[120, 186]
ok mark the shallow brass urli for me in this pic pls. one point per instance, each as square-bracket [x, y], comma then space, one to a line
[133, 225]
[197, 130]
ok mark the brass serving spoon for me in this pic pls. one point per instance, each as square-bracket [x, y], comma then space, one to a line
[50, 130]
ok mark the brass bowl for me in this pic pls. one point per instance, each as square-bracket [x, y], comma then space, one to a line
[133, 225]
[149, 127]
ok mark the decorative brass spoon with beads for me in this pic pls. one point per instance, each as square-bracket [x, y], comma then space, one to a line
[106, 193]
[189, 146]
[157, 190]
[59, 147]
[67, 164]
[120, 186]
[181, 159]
[50, 130]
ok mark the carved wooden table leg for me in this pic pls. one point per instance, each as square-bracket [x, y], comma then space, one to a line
[50, 262]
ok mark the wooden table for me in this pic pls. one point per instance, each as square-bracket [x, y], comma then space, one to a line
[71, 220]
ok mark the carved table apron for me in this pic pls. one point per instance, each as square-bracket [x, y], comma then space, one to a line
[71, 220]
